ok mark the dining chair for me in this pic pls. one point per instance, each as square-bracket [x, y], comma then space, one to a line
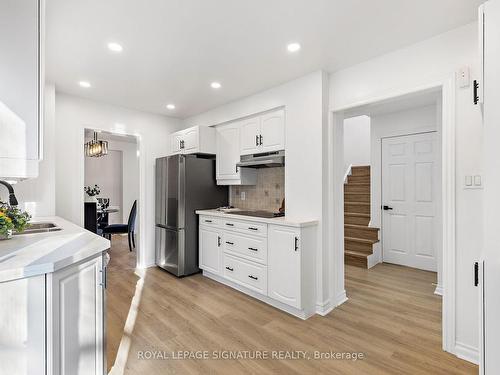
[128, 228]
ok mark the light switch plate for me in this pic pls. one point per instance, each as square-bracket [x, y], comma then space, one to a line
[468, 180]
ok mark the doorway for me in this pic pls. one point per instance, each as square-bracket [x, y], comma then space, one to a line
[445, 92]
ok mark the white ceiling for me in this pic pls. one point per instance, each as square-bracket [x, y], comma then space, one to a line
[173, 49]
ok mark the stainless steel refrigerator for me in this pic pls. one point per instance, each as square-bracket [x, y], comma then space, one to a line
[184, 184]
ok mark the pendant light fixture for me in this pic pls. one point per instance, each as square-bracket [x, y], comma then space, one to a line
[96, 148]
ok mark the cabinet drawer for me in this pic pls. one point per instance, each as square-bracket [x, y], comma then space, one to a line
[246, 227]
[250, 275]
[210, 221]
[252, 248]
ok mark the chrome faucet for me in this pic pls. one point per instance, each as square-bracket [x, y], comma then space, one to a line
[12, 195]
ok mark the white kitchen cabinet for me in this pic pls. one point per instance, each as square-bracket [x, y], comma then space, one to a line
[210, 249]
[75, 319]
[263, 133]
[53, 324]
[285, 265]
[272, 262]
[228, 155]
[250, 136]
[21, 88]
[193, 140]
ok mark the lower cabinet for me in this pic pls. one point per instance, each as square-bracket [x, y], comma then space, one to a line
[210, 249]
[53, 324]
[75, 321]
[284, 262]
[274, 263]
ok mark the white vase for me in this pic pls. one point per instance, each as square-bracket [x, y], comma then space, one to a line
[92, 199]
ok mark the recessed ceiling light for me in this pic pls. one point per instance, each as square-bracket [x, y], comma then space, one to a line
[293, 47]
[84, 84]
[171, 106]
[215, 85]
[115, 47]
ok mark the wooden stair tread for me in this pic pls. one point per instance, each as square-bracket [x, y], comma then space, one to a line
[356, 254]
[354, 226]
[357, 183]
[360, 240]
[360, 203]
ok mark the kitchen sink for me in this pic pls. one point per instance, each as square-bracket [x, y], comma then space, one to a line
[42, 227]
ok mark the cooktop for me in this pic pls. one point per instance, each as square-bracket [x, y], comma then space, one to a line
[263, 214]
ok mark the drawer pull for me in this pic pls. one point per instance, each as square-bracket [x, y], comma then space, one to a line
[230, 224]
[230, 243]
[253, 249]
[230, 269]
[253, 228]
[296, 243]
[208, 221]
[253, 277]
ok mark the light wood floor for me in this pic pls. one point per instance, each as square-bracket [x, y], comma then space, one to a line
[392, 316]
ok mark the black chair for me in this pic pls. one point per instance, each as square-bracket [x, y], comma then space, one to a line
[128, 228]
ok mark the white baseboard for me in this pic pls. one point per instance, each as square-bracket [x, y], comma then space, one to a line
[341, 298]
[439, 290]
[324, 308]
[467, 353]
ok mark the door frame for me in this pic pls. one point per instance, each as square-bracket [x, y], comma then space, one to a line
[438, 210]
[335, 194]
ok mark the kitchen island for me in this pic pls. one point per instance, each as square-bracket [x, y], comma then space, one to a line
[271, 259]
[52, 301]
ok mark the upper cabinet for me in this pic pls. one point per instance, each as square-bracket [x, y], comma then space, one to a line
[264, 133]
[228, 155]
[21, 87]
[194, 140]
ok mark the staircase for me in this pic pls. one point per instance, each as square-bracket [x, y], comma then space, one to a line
[358, 236]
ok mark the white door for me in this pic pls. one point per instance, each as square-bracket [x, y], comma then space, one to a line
[250, 136]
[228, 152]
[190, 140]
[273, 131]
[410, 200]
[284, 265]
[76, 320]
[210, 250]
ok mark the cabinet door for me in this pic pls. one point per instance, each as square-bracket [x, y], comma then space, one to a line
[250, 136]
[20, 80]
[284, 265]
[210, 250]
[228, 152]
[190, 140]
[273, 131]
[175, 143]
[75, 316]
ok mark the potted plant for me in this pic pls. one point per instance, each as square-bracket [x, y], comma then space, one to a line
[92, 193]
[12, 219]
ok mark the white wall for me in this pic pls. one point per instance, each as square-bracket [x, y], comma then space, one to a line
[305, 101]
[356, 141]
[405, 70]
[73, 115]
[38, 195]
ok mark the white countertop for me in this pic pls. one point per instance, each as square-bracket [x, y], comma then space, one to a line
[227, 214]
[35, 254]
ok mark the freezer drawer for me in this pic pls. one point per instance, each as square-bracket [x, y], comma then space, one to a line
[170, 250]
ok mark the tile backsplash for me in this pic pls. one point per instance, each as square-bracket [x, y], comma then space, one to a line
[266, 195]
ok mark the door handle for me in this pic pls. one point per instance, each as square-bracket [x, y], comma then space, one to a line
[296, 243]
[218, 241]
[475, 92]
[261, 138]
[256, 140]
[476, 273]
[387, 208]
